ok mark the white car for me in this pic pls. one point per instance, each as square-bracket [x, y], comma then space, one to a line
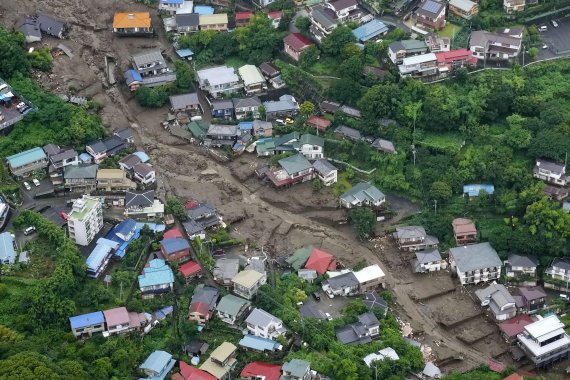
[545, 46]
[27, 186]
[36, 182]
[329, 317]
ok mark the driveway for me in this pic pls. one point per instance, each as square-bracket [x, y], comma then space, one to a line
[300, 13]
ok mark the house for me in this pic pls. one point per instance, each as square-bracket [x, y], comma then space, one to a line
[351, 112]
[171, 6]
[204, 10]
[463, 8]
[247, 282]
[431, 14]
[414, 238]
[311, 146]
[189, 103]
[221, 135]
[221, 361]
[242, 18]
[291, 170]
[144, 173]
[246, 108]
[203, 304]
[345, 284]
[362, 194]
[158, 365]
[190, 270]
[108, 147]
[511, 6]
[60, 157]
[85, 220]
[343, 132]
[132, 24]
[296, 369]
[503, 45]
[262, 324]
[114, 180]
[363, 331]
[187, 372]
[555, 193]
[298, 259]
[501, 303]
[369, 278]
[187, 23]
[253, 79]
[259, 344]
[82, 177]
[419, 66]
[152, 67]
[399, 50]
[29, 27]
[194, 230]
[320, 261]
[260, 370]
[26, 162]
[374, 301]
[370, 31]
[123, 234]
[514, 326]
[278, 144]
[86, 325]
[319, 123]
[533, 298]
[223, 109]
[196, 348]
[436, 44]
[120, 321]
[431, 371]
[449, 61]
[559, 269]
[232, 308]
[7, 251]
[203, 213]
[126, 134]
[551, 172]
[386, 353]
[175, 249]
[143, 205]
[99, 258]
[128, 162]
[262, 128]
[427, 261]
[218, 21]
[275, 17]
[521, 267]
[225, 270]
[269, 70]
[50, 26]
[156, 278]
[384, 146]
[219, 80]
[475, 263]
[285, 106]
[323, 21]
[545, 342]
[464, 231]
[326, 171]
[295, 44]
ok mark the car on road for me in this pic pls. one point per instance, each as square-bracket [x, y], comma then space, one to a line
[36, 182]
[29, 230]
[316, 296]
[27, 186]
[545, 46]
[554, 23]
[543, 28]
[329, 317]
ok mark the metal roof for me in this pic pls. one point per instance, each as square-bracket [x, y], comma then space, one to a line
[7, 251]
[146, 57]
[259, 344]
[475, 256]
[363, 191]
[85, 320]
[370, 30]
[371, 272]
[231, 305]
[102, 249]
[247, 278]
[295, 164]
[324, 167]
[157, 273]
[473, 189]
[417, 59]
[285, 103]
[217, 75]
[184, 100]
[26, 157]
[431, 6]
[174, 245]
[251, 75]
[297, 367]
[157, 361]
[259, 317]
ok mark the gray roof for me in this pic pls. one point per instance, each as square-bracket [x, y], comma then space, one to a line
[187, 20]
[429, 256]
[285, 103]
[351, 111]
[355, 333]
[532, 292]
[63, 155]
[51, 149]
[339, 5]
[343, 280]
[182, 101]
[192, 227]
[226, 269]
[363, 191]
[252, 101]
[324, 167]
[259, 317]
[297, 368]
[561, 263]
[475, 256]
[351, 133]
[295, 164]
[146, 57]
[323, 16]
[206, 294]
[222, 104]
[410, 232]
[480, 38]
[551, 166]
[373, 301]
[260, 124]
[522, 260]
[50, 25]
[497, 293]
[223, 130]
[368, 319]
[29, 27]
[142, 199]
[431, 370]
[125, 133]
[98, 146]
[81, 171]
[384, 145]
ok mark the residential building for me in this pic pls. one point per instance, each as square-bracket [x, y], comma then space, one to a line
[113, 180]
[26, 162]
[436, 44]
[204, 10]
[362, 194]
[511, 328]
[319, 123]
[420, 66]
[285, 106]
[311, 146]
[449, 61]
[551, 172]
[188, 372]
[100, 257]
[175, 249]
[262, 324]
[190, 270]
[463, 8]
[253, 79]
[504, 44]
[156, 278]
[29, 27]
[86, 325]
[363, 331]
[275, 17]
[219, 81]
[7, 251]
[218, 22]
[232, 308]
[203, 304]
[221, 135]
[158, 364]
[225, 270]
[187, 23]
[385, 146]
[260, 370]
[414, 238]
[501, 303]
[545, 342]
[399, 50]
[385, 353]
[194, 230]
[247, 282]
[291, 170]
[296, 369]
[223, 109]
[259, 344]
[60, 157]
[345, 284]
[323, 21]
[82, 177]
[126, 134]
[370, 31]
[242, 18]
[298, 259]
[369, 278]
[559, 269]
[475, 263]
[144, 173]
[85, 220]
[295, 44]
[464, 231]
[278, 144]
[152, 68]
[269, 70]
[143, 205]
[427, 261]
[246, 108]
[325, 171]
[533, 299]
[203, 213]
[132, 24]
[263, 3]
[431, 371]
[374, 302]
[108, 147]
[120, 321]
[50, 26]
[343, 132]
[555, 193]
[431, 14]
[262, 128]
[221, 361]
[511, 6]
[189, 103]
[521, 267]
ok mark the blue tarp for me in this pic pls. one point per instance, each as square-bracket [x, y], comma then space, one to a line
[184, 53]
[142, 156]
[132, 76]
[474, 189]
[203, 9]
[246, 125]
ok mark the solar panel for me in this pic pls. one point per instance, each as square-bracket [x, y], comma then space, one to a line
[431, 6]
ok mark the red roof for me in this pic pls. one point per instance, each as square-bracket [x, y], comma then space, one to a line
[514, 376]
[189, 268]
[275, 14]
[193, 373]
[297, 41]
[496, 366]
[259, 369]
[243, 15]
[190, 204]
[172, 233]
[515, 326]
[319, 122]
[320, 261]
[454, 55]
[201, 308]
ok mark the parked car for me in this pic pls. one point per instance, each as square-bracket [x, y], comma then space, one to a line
[27, 186]
[543, 28]
[316, 296]
[564, 297]
[279, 121]
[329, 317]
[29, 230]
[545, 46]
[289, 121]
[36, 182]
[554, 23]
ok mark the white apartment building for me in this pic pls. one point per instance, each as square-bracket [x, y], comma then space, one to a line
[475, 263]
[545, 342]
[85, 220]
[261, 323]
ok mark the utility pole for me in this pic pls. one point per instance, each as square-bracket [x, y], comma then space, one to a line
[435, 206]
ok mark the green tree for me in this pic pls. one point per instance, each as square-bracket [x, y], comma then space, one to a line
[548, 220]
[152, 97]
[317, 185]
[184, 75]
[13, 57]
[381, 101]
[363, 220]
[303, 24]
[176, 208]
[309, 57]
[533, 52]
[258, 41]
[334, 43]
[440, 191]
[307, 108]
[352, 68]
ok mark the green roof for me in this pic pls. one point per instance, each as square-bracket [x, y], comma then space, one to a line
[312, 140]
[231, 305]
[196, 130]
[295, 164]
[80, 214]
[300, 257]
[414, 45]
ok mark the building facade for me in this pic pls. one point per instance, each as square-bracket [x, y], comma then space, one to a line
[85, 220]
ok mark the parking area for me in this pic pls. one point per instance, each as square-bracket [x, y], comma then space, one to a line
[333, 306]
[557, 39]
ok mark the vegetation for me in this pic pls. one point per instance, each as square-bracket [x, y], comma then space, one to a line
[176, 208]
[364, 221]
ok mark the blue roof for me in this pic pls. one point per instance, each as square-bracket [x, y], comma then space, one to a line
[171, 1]
[132, 76]
[100, 252]
[157, 273]
[246, 125]
[7, 252]
[157, 362]
[142, 156]
[123, 229]
[153, 226]
[258, 343]
[26, 157]
[174, 245]
[162, 313]
[474, 189]
[85, 157]
[369, 30]
[85, 320]
[203, 9]
[183, 53]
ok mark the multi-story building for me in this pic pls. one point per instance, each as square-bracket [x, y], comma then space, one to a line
[511, 6]
[427, 261]
[559, 269]
[286, 106]
[221, 361]
[291, 170]
[114, 180]
[80, 178]
[463, 8]
[24, 163]
[326, 171]
[85, 220]
[362, 194]
[449, 61]
[132, 24]
[253, 80]
[521, 267]
[431, 14]
[551, 172]
[171, 6]
[156, 278]
[247, 108]
[437, 44]
[464, 231]
[475, 263]
[345, 10]
[504, 44]
[296, 369]
[295, 44]
[421, 66]
[247, 282]
[545, 342]
[219, 81]
[501, 303]
[218, 22]
[85, 325]
[414, 238]
[532, 299]
[152, 67]
[261, 323]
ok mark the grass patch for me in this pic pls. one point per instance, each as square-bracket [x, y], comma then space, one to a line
[448, 31]
[16, 289]
[325, 66]
[235, 62]
[442, 141]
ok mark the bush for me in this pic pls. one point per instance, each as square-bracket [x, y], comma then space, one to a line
[153, 97]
